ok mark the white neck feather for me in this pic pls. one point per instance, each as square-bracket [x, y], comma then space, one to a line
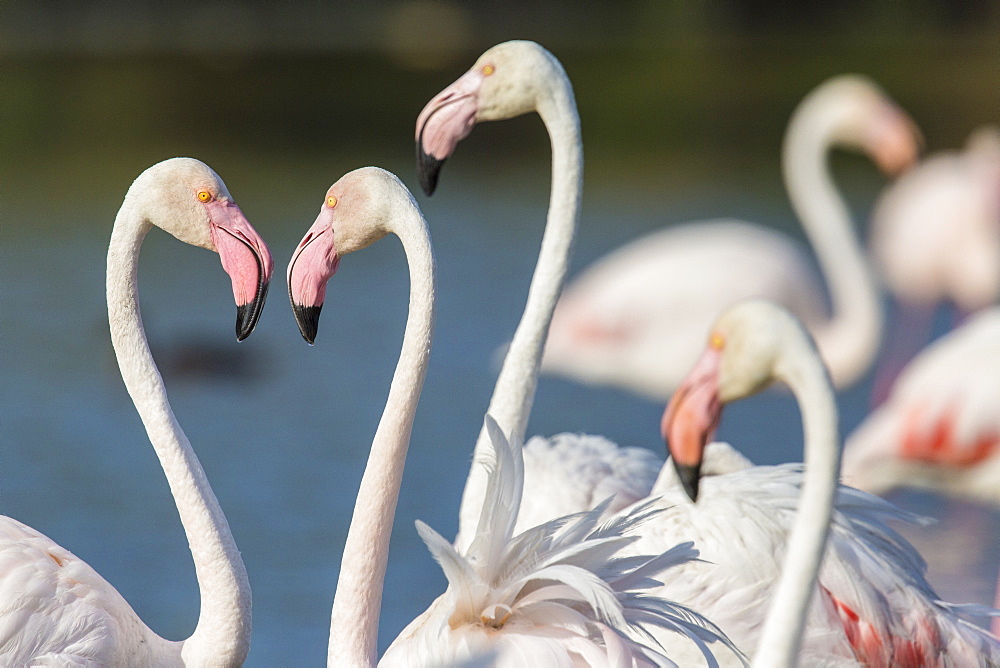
[222, 635]
[514, 392]
[802, 370]
[850, 339]
[355, 615]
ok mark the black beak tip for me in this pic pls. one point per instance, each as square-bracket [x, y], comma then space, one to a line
[246, 320]
[248, 314]
[428, 169]
[307, 318]
[689, 477]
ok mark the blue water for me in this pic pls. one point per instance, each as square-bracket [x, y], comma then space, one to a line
[283, 428]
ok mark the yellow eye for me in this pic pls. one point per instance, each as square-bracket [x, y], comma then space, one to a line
[331, 201]
[488, 70]
[716, 341]
[204, 195]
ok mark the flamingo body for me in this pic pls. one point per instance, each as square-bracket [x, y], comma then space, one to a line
[57, 610]
[569, 472]
[615, 321]
[561, 593]
[939, 428]
[873, 603]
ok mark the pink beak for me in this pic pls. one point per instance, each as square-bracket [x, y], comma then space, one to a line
[895, 141]
[246, 259]
[691, 418]
[446, 120]
[313, 264]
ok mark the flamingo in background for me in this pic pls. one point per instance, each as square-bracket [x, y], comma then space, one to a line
[935, 237]
[56, 609]
[635, 319]
[557, 593]
[939, 429]
[874, 604]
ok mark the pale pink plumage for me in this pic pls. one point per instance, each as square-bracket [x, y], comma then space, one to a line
[939, 428]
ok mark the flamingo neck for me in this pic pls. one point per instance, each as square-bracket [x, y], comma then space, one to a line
[222, 635]
[514, 392]
[849, 340]
[781, 638]
[355, 615]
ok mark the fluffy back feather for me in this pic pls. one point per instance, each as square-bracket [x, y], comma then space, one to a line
[562, 592]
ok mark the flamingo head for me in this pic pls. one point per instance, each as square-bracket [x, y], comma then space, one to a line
[743, 357]
[187, 199]
[357, 211]
[864, 117]
[505, 82]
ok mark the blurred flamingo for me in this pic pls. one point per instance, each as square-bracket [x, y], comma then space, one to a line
[636, 317]
[56, 609]
[935, 237]
[939, 429]
[874, 604]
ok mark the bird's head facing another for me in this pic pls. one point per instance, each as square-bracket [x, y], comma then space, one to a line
[187, 199]
[357, 211]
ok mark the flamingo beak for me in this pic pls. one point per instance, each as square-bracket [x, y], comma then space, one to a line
[690, 419]
[895, 141]
[313, 263]
[446, 120]
[247, 260]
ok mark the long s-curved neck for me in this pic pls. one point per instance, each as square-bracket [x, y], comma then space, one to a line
[802, 370]
[222, 635]
[356, 605]
[514, 392]
[850, 339]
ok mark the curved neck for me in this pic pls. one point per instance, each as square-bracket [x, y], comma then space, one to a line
[850, 339]
[802, 370]
[355, 615]
[222, 635]
[515, 387]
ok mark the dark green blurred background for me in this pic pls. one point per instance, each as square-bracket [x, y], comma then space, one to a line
[671, 93]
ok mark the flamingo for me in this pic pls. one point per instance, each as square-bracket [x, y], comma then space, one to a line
[56, 609]
[939, 428]
[508, 80]
[873, 603]
[935, 237]
[635, 318]
[555, 593]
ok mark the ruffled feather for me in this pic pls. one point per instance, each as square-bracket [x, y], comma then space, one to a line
[562, 593]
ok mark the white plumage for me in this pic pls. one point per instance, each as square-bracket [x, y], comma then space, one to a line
[559, 594]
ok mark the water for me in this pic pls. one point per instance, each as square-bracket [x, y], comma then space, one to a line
[283, 428]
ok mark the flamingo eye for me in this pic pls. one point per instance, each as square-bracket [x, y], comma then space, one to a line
[716, 341]
[204, 195]
[331, 201]
[488, 70]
